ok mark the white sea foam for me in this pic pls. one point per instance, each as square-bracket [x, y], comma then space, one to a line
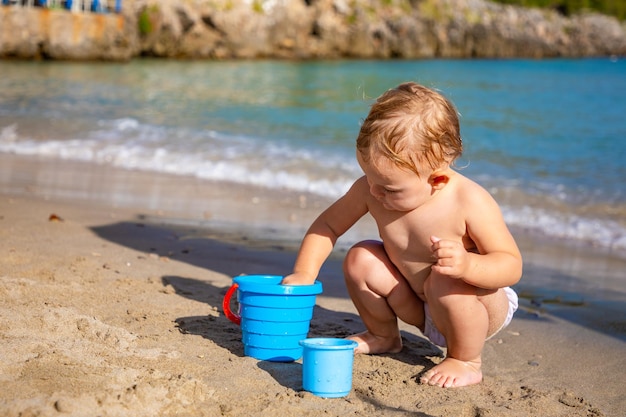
[212, 157]
[126, 143]
[598, 232]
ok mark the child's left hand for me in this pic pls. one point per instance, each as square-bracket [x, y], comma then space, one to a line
[452, 258]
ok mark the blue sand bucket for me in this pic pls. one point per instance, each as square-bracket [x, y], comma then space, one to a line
[273, 317]
[327, 366]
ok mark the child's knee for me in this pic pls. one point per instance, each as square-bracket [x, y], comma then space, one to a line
[440, 289]
[361, 258]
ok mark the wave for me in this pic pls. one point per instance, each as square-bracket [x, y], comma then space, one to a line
[211, 155]
[599, 232]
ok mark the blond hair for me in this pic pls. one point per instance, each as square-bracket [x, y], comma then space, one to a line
[411, 125]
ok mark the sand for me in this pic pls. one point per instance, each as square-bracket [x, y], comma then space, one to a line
[113, 309]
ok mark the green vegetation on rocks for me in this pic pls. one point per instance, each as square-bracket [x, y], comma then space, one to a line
[615, 8]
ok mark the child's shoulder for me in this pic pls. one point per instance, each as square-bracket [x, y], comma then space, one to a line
[469, 191]
[361, 184]
[358, 190]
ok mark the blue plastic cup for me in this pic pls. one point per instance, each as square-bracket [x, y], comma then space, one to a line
[327, 366]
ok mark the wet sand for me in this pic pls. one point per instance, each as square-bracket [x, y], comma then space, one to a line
[112, 283]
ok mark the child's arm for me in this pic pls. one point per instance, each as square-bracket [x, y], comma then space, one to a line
[321, 237]
[498, 262]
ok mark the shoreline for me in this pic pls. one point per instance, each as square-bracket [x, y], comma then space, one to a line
[575, 282]
[116, 309]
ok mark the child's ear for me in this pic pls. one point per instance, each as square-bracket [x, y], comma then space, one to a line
[438, 180]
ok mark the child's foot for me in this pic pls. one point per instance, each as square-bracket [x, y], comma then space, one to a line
[453, 373]
[371, 344]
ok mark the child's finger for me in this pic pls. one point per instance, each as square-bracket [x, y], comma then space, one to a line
[434, 247]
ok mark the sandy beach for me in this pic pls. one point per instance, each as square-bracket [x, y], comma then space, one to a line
[111, 287]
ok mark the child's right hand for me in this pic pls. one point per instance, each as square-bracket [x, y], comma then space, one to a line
[298, 278]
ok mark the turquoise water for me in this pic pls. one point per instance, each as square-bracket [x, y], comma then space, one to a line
[547, 138]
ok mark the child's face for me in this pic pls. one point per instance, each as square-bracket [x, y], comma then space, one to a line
[396, 188]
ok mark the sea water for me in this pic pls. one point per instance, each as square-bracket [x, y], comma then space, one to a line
[546, 137]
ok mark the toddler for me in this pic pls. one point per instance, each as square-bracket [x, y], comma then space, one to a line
[445, 260]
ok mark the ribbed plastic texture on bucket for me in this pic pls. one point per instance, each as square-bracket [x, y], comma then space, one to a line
[274, 317]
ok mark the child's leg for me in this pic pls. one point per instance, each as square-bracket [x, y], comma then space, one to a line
[465, 315]
[381, 295]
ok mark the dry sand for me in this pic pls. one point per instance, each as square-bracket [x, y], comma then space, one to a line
[111, 311]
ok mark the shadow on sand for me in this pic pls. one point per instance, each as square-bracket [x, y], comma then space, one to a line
[235, 253]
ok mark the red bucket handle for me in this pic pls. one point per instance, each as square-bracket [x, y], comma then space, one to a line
[235, 318]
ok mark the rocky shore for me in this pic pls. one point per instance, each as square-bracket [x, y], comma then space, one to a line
[307, 29]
